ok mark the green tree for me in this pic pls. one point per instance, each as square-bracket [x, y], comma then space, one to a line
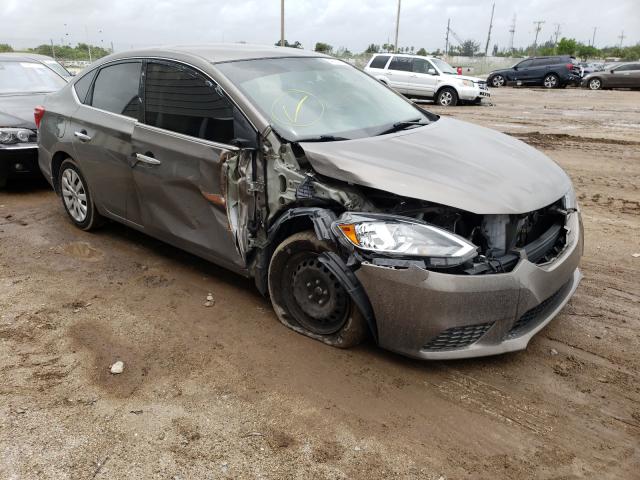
[5, 47]
[586, 51]
[323, 48]
[469, 48]
[422, 52]
[567, 46]
[372, 48]
[295, 44]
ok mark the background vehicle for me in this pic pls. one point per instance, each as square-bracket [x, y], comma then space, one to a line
[426, 77]
[45, 60]
[589, 67]
[302, 172]
[626, 75]
[23, 85]
[549, 72]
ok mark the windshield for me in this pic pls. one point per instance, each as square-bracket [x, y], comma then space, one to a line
[28, 77]
[444, 67]
[56, 67]
[319, 98]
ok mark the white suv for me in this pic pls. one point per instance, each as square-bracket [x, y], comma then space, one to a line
[426, 77]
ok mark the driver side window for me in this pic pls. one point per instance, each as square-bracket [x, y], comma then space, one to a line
[421, 66]
[525, 64]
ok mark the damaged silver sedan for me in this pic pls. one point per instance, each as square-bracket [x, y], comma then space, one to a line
[356, 212]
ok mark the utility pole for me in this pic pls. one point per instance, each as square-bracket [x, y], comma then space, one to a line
[446, 40]
[512, 31]
[593, 40]
[282, 23]
[486, 48]
[538, 24]
[395, 46]
[86, 34]
[53, 51]
[557, 32]
[621, 37]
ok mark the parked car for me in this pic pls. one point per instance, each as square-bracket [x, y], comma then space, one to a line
[23, 85]
[426, 77]
[626, 75]
[47, 61]
[357, 212]
[589, 67]
[549, 72]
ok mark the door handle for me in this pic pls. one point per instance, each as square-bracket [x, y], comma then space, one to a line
[148, 158]
[82, 136]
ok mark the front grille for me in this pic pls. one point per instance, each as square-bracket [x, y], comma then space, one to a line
[457, 337]
[531, 316]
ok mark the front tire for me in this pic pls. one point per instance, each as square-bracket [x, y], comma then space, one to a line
[551, 81]
[498, 81]
[595, 84]
[447, 97]
[308, 298]
[76, 197]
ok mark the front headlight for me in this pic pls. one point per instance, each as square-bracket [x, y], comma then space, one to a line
[570, 200]
[16, 135]
[397, 236]
[467, 83]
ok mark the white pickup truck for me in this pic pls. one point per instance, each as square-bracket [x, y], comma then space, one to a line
[426, 77]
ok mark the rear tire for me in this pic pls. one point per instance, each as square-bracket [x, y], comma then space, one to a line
[447, 97]
[76, 197]
[307, 297]
[551, 81]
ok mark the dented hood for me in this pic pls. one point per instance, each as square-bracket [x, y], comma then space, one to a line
[448, 162]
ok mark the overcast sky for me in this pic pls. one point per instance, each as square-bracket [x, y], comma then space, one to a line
[349, 23]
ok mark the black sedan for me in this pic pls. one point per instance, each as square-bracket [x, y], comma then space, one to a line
[23, 84]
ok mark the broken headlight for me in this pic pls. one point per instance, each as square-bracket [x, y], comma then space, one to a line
[399, 236]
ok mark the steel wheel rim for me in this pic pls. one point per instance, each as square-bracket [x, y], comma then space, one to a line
[550, 81]
[594, 84]
[446, 98]
[74, 195]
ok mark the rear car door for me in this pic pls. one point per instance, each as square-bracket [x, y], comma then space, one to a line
[421, 82]
[627, 76]
[181, 151]
[102, 128]
[398, 72]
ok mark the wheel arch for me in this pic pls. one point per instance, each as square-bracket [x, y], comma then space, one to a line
[443, 87]
[56, 162]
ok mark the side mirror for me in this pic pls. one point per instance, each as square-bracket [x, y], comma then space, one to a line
[431, 71]
[515, 68]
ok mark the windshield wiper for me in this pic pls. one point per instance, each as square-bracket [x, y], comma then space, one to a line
[323, 138]
[403, 126]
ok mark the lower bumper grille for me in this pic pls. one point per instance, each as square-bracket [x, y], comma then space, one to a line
[531, 316]
[457, 337]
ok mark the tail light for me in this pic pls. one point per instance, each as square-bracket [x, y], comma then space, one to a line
[38, 113]
[570, 66]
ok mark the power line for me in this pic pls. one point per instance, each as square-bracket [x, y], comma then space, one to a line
[622, 37]
[512, 31]
[538, 24]
[557, 32]
[486, 48]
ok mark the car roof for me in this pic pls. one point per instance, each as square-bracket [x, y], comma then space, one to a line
[17, 56]
[407, 55]
[216, 53]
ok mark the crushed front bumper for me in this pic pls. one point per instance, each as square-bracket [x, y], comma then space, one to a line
[19, 160]
[430, 315]
[472, 93]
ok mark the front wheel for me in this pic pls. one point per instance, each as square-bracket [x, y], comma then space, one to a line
[595, 84]
[76, 198]
[308, 298]
[498, 81]
[447, 97]
[551, 81]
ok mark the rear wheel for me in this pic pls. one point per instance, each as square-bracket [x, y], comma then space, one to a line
[595, 84]
[447, 97]
[551, 81]
[308, 298]
[76, 198]
[497, 81]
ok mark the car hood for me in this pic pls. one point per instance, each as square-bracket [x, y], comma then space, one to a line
[17, 110]
[448, 162]
[467, 77]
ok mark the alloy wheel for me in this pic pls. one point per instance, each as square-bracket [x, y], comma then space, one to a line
[550, 81]
[446, 98]
[595, 84]
[498, 81]
[74, 195]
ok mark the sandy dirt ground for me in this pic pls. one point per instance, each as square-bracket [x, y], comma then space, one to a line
[228, 392]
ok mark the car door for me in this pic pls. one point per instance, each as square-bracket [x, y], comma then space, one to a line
[398, 72]
[102, 128]
[626, 76]
[423, 78]
[181, 151]
[521, 72]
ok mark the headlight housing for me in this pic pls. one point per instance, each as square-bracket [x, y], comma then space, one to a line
[402, 237]
[467, 83]
[9, 136]
[570, 200]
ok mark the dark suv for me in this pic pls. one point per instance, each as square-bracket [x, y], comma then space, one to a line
[550, 72]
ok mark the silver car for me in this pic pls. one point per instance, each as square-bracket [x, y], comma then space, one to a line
[358, 213]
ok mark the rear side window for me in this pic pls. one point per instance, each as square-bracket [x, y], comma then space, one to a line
[116, 89]
[541, 62]
[626, 68]
[379, 62]
[82, 86]
[403, 64]
[182, 100]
